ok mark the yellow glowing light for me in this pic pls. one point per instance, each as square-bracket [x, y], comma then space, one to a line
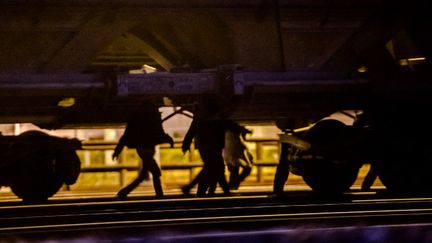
[407, 61]
[403, 62]
[144, 69]
[416, 59]
[167, 101]
[66, 102]
[362, 69]
[148, 69]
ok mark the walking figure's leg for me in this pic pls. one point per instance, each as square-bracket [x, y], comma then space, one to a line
[131, 186]
[147, 155]
[186, 188]
[234, 179]
[282, 171]
[369, 179]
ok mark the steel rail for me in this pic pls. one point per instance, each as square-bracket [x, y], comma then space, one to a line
[109, 216]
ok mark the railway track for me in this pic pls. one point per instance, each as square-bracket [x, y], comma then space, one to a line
[141, 217]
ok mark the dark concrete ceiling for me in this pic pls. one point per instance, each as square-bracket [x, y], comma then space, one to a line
[75, 36]
[102, 37]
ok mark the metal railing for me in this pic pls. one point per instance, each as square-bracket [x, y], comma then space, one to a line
[190, 165]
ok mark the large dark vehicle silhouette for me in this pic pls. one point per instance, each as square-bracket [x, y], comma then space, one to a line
[36, 165]
[328, 155]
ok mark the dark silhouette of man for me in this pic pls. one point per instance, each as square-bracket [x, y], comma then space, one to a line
[143, 132]
[209, 138]
[208, 129]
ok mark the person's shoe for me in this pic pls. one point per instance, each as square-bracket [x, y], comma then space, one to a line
[278, 194]
[365, 188]
[122, 195]
[185, 190]
[234, 187]
[201, 195]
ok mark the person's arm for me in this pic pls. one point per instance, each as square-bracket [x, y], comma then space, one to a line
[120, 145]
[244, 132]
[189, 136]
[119, 148]
[237, 129]
[169, 140]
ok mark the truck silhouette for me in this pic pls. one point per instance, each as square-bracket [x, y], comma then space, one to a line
[36, 165]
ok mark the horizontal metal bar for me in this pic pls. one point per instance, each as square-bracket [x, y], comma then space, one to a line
[300, 79]
[167, 83]
[49, 81]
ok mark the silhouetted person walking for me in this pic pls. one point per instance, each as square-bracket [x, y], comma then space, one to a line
[209, 137]
[237, 156]
[208, 129]
[143, 132]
